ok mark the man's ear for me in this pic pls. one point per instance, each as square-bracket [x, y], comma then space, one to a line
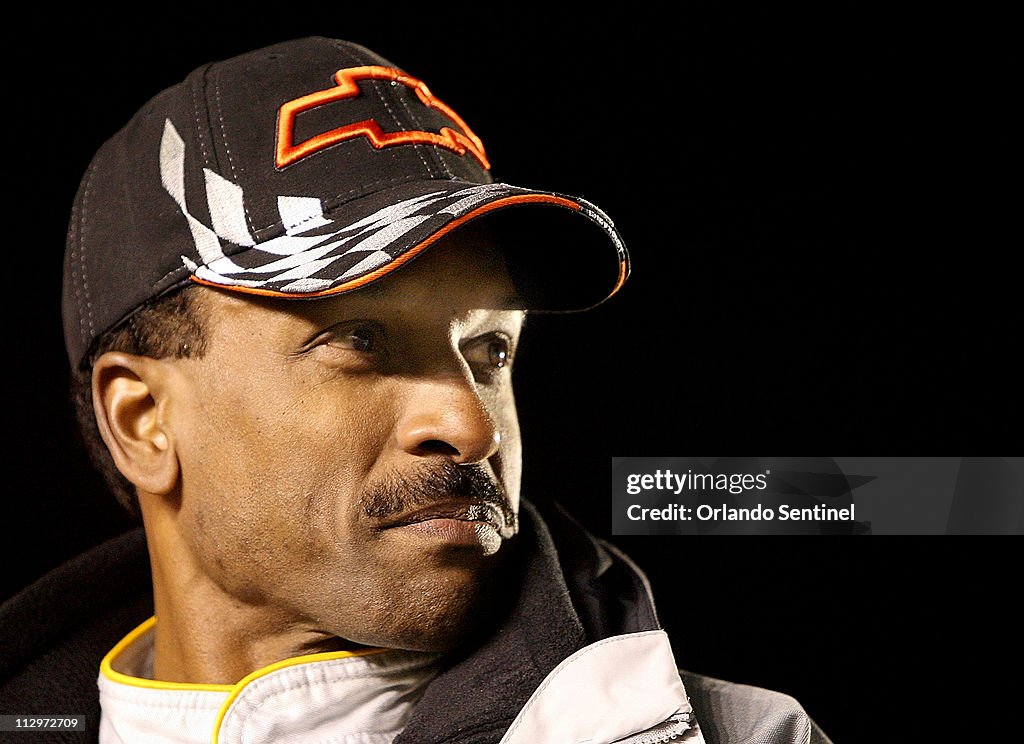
[128, 394]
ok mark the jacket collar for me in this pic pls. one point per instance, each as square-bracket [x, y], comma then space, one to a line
[366, 694]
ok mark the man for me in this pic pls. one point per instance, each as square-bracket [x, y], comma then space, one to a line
[293, 296]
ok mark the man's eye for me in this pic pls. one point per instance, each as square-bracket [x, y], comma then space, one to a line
[365, 338]
[497, 352]
[488, 354]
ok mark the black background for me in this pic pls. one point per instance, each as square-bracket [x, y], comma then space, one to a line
[822, 204]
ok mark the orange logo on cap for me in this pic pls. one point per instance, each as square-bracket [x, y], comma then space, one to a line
[288, 152]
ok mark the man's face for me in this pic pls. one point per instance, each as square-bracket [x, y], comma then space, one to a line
[353, 463]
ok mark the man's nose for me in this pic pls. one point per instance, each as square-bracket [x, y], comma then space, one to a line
[447, 417]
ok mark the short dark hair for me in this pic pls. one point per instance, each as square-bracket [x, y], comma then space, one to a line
[171, 326]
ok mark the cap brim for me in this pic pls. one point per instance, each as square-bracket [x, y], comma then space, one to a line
[563, 253]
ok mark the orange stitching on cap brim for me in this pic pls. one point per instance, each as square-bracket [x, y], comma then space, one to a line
[415, 251]
[288, 152]
[623, 273]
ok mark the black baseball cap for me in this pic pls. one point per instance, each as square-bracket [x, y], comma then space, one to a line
[301, 170]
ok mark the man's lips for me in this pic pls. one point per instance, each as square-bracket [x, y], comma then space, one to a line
[463, 511]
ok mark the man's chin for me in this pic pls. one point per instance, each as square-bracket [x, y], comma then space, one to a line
[440, 604]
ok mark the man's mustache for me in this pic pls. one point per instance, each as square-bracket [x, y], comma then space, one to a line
[434, 482]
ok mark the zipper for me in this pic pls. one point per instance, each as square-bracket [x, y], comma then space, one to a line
[665, 731]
